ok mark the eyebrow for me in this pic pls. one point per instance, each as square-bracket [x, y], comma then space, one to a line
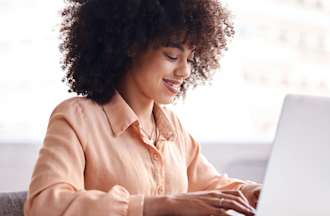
[175, 45]
[178, 46]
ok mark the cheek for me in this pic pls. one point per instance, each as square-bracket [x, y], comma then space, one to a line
[159, 70]
[149, 77]
[167, 68]
[148, 81]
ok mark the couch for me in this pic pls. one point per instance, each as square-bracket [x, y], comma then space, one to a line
[11, 204]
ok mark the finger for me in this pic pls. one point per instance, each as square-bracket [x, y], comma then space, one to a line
[242, 200]
[237, 193]
[236, 199]
[228, 204]
[235, 196]
[255, 202]
[222, 212]
[257, 194]
[255, 198]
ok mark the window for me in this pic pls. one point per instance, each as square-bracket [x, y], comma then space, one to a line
[280, 47]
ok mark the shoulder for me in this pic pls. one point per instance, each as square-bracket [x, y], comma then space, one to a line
[76, 113]
[76, 105]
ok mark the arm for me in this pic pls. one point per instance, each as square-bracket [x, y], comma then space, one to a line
[57, 186]
[202, 174]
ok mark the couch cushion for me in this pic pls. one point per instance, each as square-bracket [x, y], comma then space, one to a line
[11, 204]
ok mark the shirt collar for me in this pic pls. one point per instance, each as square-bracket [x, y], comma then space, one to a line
[119, 113]
[121, 116]
[164, 125]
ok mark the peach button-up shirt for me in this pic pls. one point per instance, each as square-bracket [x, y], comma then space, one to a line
[95, 160]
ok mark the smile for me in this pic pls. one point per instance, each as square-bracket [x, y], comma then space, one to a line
[173, 86]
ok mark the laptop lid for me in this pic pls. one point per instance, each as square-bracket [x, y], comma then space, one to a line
[297, 181]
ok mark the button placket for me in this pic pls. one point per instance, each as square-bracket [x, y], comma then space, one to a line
[160, 190]
[158, 171]
[155, 157]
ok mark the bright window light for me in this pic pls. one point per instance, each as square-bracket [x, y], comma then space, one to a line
[280, 47]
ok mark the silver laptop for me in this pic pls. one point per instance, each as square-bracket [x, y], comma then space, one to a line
[297, 181]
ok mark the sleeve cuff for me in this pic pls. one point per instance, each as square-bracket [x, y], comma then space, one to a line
[135, 205]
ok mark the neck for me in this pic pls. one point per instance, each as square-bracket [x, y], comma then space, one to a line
[139, 103]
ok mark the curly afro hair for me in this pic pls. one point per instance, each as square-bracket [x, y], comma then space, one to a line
[98, 37]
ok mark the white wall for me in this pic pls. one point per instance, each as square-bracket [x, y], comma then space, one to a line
[245, 161]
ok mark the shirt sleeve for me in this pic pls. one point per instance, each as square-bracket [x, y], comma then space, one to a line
[57, 185]
[201, 173]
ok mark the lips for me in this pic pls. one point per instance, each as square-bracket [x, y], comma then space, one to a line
[173, 86]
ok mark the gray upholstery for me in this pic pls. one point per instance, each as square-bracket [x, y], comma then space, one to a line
[11, 204]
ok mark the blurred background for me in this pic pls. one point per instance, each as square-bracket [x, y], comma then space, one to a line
[280, 47]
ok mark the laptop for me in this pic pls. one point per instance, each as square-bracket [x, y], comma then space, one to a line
[297, 181]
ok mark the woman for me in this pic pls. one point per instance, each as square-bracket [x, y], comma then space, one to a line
[116, 151]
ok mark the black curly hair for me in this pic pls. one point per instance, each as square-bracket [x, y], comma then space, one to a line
[98, 37]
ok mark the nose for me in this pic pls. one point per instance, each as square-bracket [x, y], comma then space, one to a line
[183, 71]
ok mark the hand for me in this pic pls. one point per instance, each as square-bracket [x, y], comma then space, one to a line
[209, 203]
[252, 193]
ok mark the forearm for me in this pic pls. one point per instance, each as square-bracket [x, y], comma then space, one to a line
[62, 199]
[156, 206]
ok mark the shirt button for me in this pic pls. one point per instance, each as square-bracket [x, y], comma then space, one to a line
[155, 157]
[160, 190]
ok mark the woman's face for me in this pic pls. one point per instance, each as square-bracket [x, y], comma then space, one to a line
[158, 73]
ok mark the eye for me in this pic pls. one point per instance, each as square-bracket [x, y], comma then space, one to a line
[190, 61]
[171, 57]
